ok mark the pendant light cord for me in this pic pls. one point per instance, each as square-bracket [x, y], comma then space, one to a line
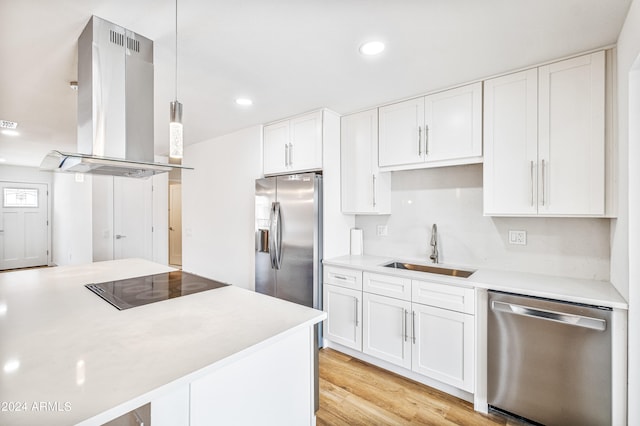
[176, 74]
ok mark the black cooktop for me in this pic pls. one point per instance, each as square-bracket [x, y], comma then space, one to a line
[132, 292]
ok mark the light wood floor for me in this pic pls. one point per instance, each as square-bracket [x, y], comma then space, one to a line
[353, 392]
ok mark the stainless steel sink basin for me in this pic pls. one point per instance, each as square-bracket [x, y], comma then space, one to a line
[431, 269]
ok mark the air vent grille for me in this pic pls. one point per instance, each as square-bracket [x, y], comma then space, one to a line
[133, 44]
[116, 38]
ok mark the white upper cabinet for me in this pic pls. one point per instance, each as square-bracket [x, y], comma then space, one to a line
[293, 145]
[364, 189]
[544, 140]
[511, 143]
[442, 129]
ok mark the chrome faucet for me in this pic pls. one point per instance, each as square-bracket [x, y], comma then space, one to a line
[434, 244]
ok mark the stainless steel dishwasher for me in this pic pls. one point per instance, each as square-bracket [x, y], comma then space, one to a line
[549, 361]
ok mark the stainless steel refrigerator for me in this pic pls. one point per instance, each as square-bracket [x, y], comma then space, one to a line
[289, 238]
[288, 229]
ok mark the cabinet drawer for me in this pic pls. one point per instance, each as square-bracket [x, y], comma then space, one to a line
[387, 285]
[343, 277]
[444, 296]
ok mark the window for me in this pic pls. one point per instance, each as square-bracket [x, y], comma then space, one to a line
[20, 197]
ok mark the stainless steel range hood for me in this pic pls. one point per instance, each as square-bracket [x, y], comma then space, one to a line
[115, 106]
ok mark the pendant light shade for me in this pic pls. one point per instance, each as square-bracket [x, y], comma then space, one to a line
[175, 130]
[175, 112]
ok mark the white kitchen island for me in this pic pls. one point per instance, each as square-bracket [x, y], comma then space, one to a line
[223, 356]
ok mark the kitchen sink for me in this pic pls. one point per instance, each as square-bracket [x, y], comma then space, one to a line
[431, 269]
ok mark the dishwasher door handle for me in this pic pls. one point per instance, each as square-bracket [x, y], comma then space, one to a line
[564, 318]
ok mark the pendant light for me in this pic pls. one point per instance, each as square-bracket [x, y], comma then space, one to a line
[175, 111]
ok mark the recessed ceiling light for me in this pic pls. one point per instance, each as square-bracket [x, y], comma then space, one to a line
[8, 132]
[372, 48]
[2, 160]
[244, 101]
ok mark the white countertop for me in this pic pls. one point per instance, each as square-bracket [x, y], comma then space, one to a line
[591, 292]
[63, 345]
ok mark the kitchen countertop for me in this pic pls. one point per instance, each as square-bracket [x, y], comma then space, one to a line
[591, 292]
[64, 346]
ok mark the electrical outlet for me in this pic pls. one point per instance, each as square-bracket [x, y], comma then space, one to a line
[382, 231]
[518, 237]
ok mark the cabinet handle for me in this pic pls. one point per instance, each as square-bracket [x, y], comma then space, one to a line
[419, 141]
[532, 200]
[340, 277]
[404, 325]
[426, 139]
[290, 154]
[286, 155]
[413, 326]
[138, 419]
[374, 190]
[543, 182]
[357, 322]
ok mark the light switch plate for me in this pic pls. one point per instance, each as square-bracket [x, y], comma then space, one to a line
[382, 231]
[518, 237]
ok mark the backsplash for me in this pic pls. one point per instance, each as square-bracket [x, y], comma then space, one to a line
[451, 197]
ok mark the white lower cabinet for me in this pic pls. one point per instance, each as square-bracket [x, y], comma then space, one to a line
[385, 332]
[344, 316]
[444, 342]
[423, 326]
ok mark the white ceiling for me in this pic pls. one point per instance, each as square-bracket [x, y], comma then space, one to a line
[289, 56]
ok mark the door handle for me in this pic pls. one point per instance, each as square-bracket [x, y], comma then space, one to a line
[413, 326]
[171, 228]
[277, 235]
[272, 233]
[404, 325]
[561, 317]
[286, 155]
[119, 237]
[419, 141]
[532, 201]
[290, 154]
[426, 139]
[374, 190]
[543, 182]
[357, 322]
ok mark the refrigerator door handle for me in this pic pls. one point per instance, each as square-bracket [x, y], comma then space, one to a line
[272, 237]
[277, 235]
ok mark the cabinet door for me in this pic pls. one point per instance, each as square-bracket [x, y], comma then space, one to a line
[510, 144]
[444, 345]
[305, 149]
[453, 123]
[571, 139]
[276, 147]
[344, 316]
[364, 189]
[401, 139]
[386, 332]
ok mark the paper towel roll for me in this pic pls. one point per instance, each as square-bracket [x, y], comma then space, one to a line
[356, 241]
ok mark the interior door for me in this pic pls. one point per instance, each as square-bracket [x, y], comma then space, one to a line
[132, 218]
[175, 224]
[24, 233]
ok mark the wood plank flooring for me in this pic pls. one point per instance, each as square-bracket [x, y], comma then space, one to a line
[353, 392]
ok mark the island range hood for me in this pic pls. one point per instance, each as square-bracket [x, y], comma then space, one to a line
[115, 106]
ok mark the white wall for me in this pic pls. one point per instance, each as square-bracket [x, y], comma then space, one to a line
[72, 239]
[451, 197]
[218, 206]
[625, 274]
